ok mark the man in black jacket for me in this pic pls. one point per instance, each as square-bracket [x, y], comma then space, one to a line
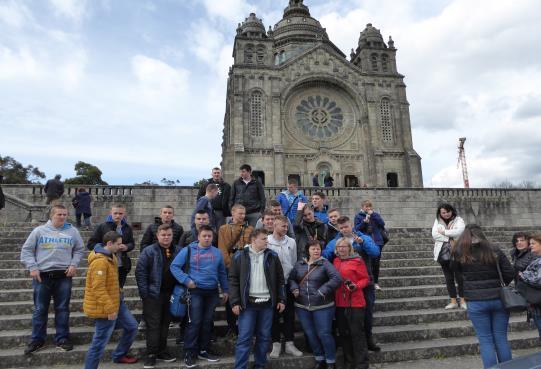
[256, 288]
[166, 217]
[220, 204]
[250, 193]
[116, 222]
[2, 198]
[54, 188]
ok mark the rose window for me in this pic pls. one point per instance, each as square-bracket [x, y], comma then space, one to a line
[319, 117]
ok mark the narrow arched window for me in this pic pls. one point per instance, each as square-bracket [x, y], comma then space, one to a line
[374, 62]
[260, 54]
[384, 62]
[249, 54]
[256, 114]
[386, 123]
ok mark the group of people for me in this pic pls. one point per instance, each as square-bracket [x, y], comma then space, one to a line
[267, 265]
[479, 269]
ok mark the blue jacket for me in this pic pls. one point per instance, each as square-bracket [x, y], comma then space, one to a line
[83, 203]
[285, 198]
[322, 215]
[372, 228]
[207, 268]
[149, 270]
[368, 247]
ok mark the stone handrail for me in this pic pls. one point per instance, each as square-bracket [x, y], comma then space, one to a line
[36, 212]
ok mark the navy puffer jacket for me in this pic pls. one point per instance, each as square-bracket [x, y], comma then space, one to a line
[149, 270]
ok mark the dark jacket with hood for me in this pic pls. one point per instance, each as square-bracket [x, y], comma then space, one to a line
[150, 269]
[82, 201]
[305, 231]
[481, 281]
[127, 239]
[220, 202]
[251, 195]
[317, 290]
[54, 188]
[150, 233]
[239, 277]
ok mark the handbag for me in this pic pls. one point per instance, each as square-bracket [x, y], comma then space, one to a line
[180, 298]
[445, 253]
[530, 293]
[384, 236]
[511, 299]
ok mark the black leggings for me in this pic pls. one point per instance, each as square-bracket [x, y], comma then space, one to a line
[452, 276]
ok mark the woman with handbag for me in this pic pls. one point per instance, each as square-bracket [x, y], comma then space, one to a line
[485, 268]
[313, 281]
[529, 281]
[447, 228]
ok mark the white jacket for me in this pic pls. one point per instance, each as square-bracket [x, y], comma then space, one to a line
[453, 230]
[286, 250]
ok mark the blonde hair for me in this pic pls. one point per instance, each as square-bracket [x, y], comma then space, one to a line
[343, 240]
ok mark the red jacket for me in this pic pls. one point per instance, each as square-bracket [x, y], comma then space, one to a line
[351, 268]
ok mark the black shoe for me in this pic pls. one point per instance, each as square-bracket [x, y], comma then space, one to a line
[320, 365]
[166, 357]
[150, 362]
[179, 340]
[205, 355]
[189, 361]
[371, 344]
[64, 345]
[33, 347]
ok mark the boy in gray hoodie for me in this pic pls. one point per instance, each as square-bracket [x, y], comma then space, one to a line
[52, 253]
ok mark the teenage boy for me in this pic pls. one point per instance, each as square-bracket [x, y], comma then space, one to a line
[166, 217]
[103, 303]
[116, 221]
[248, 191]
[206, 273]
[155, 283]
[284, 323]
[290, 198]
[267, 221]
[205, 203]
[332, 226]
[257, 289]
[276, 208]
[365, 246]
[308, 228]
[51, 254]
[201, 218]
[220, 203]
[320, 208]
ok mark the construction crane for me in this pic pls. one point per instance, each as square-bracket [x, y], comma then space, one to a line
[462, 161]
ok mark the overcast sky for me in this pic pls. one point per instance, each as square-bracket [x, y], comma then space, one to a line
[138, 87]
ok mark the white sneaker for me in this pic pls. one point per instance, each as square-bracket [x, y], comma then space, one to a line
[276, 348]
[463, 305]
[292, 350]
[142, 325]
[377, 287]
[452, 305]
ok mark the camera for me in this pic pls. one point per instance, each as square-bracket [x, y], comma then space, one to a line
[350, 285]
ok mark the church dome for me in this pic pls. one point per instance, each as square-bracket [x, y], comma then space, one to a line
[298, 24]
[252, 27]
[371, 37]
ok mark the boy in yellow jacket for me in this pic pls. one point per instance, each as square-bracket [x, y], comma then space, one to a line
[103, 302]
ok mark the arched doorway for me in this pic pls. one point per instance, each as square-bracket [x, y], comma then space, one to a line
[323, 169]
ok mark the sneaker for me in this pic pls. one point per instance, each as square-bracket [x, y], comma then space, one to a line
[463, 305]
[292, 350]
[142, 325]
[377, 287]
[33, 347]
[150, 362]
[452, 305]
[126, 359]
[276, 348]
[205, 355]
[166, 357]
[189, 361]
[64, 345]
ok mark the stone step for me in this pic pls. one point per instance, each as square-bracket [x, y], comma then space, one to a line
[407, 271]
[391, 352]
[404, 281]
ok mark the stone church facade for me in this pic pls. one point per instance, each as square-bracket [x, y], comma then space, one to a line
[296, 107]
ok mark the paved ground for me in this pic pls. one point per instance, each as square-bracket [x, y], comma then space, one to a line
[461, 362]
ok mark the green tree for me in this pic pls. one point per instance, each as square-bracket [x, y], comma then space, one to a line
[169, 182]
[15, 173]
[200, 182]
[87, 174]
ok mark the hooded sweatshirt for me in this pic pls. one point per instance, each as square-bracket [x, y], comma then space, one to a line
[49, 248]
[286, 249]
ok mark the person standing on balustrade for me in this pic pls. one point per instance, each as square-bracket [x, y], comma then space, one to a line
[220, 204]
[249, 192]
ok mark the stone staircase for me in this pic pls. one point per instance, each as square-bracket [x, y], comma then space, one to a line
[410, 322]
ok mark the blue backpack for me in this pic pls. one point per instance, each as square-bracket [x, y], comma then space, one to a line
[180, 298]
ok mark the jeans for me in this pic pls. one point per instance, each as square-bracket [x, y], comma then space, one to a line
[452, 276]
[536, 316]
[252, 218]
[103, 331]
[284, 323]
[350, 322]
[201, 310]
[375, 265]
[370, 298]
[60, 290]
[490, 321]
[86, 217]
[219, 219]
[317, 326]
[157, 317]
[258, 319]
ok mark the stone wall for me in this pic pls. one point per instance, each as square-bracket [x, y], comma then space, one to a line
[400, 207]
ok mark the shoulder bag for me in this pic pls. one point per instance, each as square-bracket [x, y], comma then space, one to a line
[180, 298]
[511, 299]
[530, 293]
